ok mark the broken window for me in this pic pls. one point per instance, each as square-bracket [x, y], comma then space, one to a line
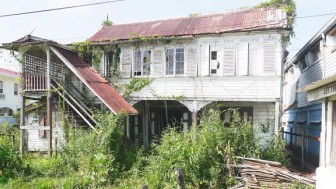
[169, 61]
[137, 63]
[236, 114]
[175, 61]
[214, 64]
[141, 62]
[146, 62]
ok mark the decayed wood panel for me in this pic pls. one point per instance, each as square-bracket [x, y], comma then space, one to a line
[36, 143]
[126, 63]
[330, 68]
[269, 58]
[217, 88]
[191, 63]
[229, 60]
[158, 62]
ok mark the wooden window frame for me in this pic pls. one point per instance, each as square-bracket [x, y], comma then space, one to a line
[175, 61]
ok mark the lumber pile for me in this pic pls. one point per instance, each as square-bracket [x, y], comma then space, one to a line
[259, 173]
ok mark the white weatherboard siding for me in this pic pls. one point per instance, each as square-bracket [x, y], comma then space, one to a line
[244, 88]
[237, 54]
[289, 92]
[311, 74]
[330, 65]
[38, 143]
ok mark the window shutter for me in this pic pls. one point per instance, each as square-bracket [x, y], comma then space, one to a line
[191, 64]
[229, 62]
[204, 58]
[158, 63]
[243, 59]
[126, 63]
[269, 58]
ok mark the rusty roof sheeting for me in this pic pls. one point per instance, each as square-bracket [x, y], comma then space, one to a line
[110, 97]
[241, 20]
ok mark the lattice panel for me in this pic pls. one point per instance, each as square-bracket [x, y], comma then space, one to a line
[57, 68]
[35, 63]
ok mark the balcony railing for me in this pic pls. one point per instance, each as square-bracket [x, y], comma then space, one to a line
[36, 82]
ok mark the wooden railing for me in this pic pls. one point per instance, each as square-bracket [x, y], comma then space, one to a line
[35, 82]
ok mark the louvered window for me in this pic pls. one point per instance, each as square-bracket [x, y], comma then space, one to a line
[269, 59]
[229, 63]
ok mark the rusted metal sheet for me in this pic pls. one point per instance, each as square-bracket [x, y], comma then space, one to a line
[111, 98]
[241, 20]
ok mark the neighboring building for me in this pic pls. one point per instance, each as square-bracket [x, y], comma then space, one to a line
[62, 86]
[310, 93]
[9, 94]
[224, 60]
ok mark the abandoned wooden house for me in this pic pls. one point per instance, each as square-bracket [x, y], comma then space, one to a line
[225, 60]
[47, 66]
[311, 94]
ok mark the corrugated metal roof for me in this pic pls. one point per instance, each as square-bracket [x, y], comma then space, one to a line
[98, 84]
[241, 20]
[7, 72]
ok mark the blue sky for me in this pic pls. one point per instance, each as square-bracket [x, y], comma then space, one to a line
[66, 26]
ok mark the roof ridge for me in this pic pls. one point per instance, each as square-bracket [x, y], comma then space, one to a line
[233, 12]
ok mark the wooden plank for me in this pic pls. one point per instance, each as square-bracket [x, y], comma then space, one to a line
[46, 128]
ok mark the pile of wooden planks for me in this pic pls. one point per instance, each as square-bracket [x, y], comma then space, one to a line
[259, 173]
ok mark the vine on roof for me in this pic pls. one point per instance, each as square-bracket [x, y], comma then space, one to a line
[289, 7]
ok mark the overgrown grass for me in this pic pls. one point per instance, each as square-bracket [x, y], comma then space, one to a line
[102, 160]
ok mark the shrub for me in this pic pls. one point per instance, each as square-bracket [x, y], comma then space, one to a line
[11, 163]
[205, 153]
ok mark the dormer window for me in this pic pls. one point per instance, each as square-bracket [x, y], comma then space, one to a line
[141, 62]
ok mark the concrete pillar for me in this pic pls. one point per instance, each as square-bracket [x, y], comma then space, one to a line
[329, 132]
[323, 132]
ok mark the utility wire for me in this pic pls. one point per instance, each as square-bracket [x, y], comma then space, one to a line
[60, 8]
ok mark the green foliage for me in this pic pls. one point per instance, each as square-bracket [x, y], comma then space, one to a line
[107, 22]
[102, 159]
[11, 163]
[204, 153]
[289, 7]
[88, 52]
[276, 151]
[136, 84]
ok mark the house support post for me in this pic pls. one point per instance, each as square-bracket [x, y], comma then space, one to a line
[277, 118]
[194, 117]
[49, 103]
[194, 113]
[128, 127]
[145, 123]
[23, 104]
[22, 123]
